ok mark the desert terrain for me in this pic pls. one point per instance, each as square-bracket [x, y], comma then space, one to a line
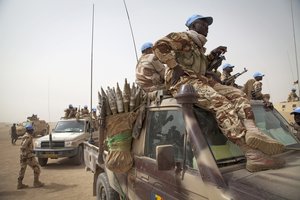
[63, 179]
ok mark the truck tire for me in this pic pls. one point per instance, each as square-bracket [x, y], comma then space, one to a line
[103, 190]
[43, 161]
[78, 159]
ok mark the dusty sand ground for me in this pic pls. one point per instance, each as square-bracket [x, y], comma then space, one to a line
[62, 179]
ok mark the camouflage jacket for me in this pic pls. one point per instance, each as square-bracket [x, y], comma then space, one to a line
[150, 73]
[293, 97]
[27, 146]
[225, 76]
[179, 49]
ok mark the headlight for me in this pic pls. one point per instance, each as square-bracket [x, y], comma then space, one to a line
[37, 144]
[68, 143]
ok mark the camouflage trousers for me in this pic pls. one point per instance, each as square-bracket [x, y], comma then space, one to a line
[224, 110]
[238, 98]
[32, 162]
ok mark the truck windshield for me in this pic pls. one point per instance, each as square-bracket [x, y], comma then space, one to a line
[273, 124]
[69, 126]
[221, 147]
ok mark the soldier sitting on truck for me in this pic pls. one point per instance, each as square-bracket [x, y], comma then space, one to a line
[293, 96]
[85, 111]
[184, 54]
[68, 110]
[149, 70]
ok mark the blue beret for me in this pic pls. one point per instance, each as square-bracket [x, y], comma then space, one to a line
[146, 46]
[297, 110]
[29, 127]
[193, 18]
[227, 65]
[257, 74]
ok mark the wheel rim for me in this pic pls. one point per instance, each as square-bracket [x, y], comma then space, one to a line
[102, 193]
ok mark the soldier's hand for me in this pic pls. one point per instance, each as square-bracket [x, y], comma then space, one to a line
[177, 73]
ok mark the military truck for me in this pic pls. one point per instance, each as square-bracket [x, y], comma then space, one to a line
[180, 153]
[41, 127]
[65, 140]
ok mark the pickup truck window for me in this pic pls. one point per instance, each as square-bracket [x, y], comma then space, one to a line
[272, 124]
[69, 126]
[168, 127]
[223, 150]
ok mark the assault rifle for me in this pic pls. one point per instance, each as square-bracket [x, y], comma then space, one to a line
[216, 62]
[229, 80]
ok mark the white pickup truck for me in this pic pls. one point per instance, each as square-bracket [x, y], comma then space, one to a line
[65, 140]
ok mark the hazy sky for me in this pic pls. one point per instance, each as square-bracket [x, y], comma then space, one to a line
[45, 46]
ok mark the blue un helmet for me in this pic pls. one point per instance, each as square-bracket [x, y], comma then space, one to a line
[193, 18]
[29, 127]
[258, 74]
[294, 89]
[70, 106]
[227, 65]
[85, 107]
[296, 111]
[146, 45]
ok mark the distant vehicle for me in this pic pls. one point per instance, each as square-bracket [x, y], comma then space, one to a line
[65, 140]
[41, 127]
[198, 163]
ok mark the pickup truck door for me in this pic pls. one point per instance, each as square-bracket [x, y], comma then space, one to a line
[166, 127]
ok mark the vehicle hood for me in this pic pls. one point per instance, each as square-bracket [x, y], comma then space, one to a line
[62, 136]
[281, 183]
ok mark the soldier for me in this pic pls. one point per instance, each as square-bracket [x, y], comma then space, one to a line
[68, 110]
[85, 110]
[253, 88]
[27, 158]
[296, 125]
[226, 75]
[95, 118]
[73, 112]
[13, 134]
[184, 54]
[149, 70]
[293, 96]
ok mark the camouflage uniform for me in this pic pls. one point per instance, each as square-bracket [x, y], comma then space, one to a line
[225, 76]
[180, 50]
[85, 112]
[253, 89]
[150, 73]
[293, 97]
[27, 157]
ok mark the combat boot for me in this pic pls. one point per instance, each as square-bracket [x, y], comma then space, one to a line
[21, 185]
[37, 183]
[258, 161]
[257, 140]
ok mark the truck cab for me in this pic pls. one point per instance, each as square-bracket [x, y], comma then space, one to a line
[180, 153]
[65, 140]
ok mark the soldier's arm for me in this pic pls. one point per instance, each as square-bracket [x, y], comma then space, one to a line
[165, 49]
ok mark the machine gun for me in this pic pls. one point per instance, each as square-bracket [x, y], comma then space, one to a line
[229, 80]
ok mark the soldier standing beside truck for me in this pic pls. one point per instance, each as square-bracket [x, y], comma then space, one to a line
[184, 54]
[27, 157]
[14, 136]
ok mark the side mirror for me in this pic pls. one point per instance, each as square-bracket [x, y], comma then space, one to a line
[165, 157]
